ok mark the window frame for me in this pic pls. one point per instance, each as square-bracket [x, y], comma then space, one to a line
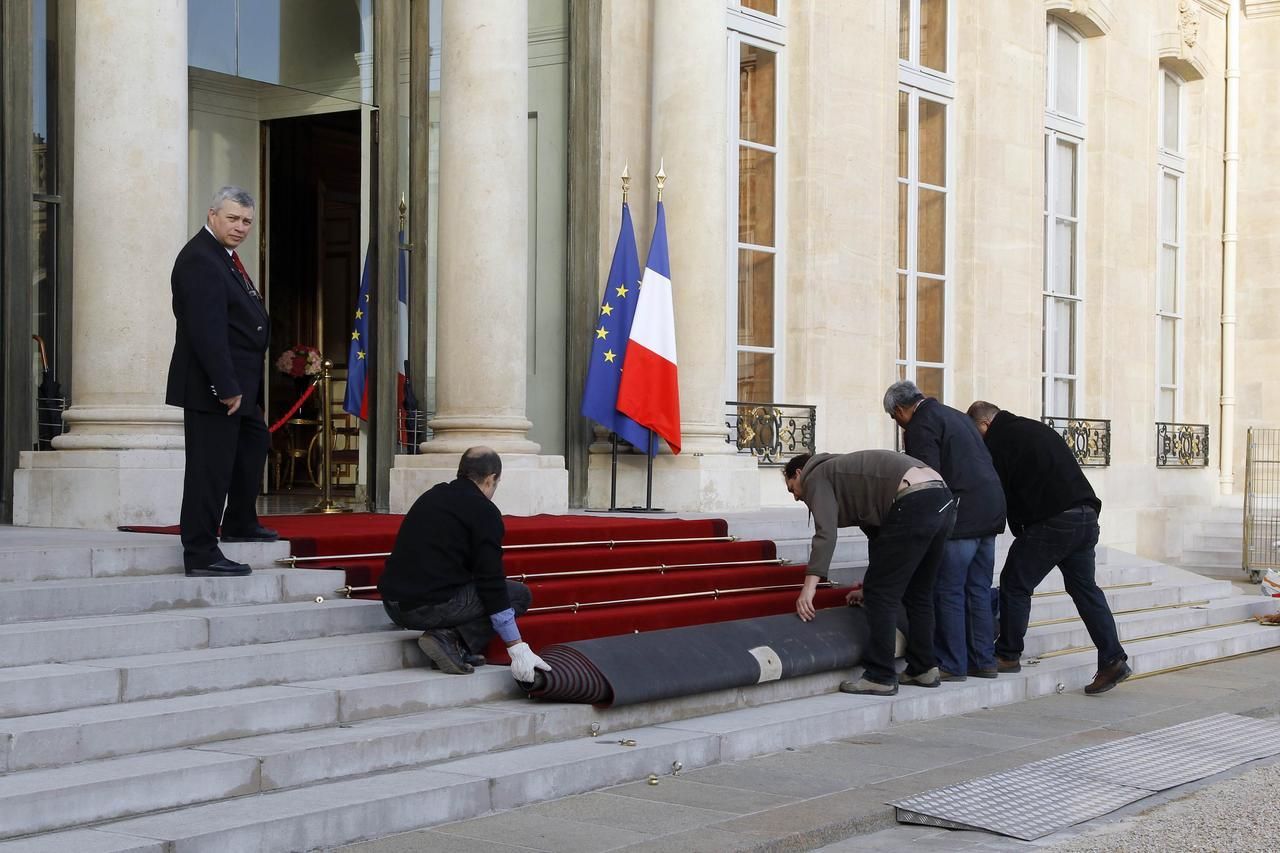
[1171, 163]
[1070, 128]
[745, 26]
[916, 82]
[911, 72]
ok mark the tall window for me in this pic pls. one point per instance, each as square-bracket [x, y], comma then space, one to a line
[757, 267]
[1063, 220]
[924, 188]
[1171, 239]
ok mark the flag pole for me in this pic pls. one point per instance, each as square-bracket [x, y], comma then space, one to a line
[648, 475]
[613, 475]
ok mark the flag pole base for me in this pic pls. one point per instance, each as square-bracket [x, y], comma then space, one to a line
[654, 509]
[329, 507]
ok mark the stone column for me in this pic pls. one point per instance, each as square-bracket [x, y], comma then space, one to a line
[121, 460]
[689, 134]
[483, 264]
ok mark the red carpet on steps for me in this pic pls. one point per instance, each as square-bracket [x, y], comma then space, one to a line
[678, 582]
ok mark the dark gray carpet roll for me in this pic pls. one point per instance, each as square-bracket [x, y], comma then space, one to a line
[631, 668]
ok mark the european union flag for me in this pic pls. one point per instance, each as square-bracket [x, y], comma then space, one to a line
[609, 340]
[356, 401]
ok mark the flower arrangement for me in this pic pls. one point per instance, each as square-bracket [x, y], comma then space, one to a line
[298, 361]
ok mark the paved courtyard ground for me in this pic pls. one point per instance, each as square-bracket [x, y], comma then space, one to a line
[832, 796]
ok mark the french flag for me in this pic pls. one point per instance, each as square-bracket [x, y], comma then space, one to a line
[649, 392]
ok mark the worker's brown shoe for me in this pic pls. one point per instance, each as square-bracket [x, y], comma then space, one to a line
[444, 647]
[1109, 676]
[1003, 665]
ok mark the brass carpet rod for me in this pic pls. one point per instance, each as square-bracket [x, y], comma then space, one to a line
[575, 607]
[292, 561]
[710, 593]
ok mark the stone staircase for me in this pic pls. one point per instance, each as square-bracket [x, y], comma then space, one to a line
[1213, 543]
[144, 711]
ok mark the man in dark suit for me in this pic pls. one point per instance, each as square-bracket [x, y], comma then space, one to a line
[946, 440]
[215, 376]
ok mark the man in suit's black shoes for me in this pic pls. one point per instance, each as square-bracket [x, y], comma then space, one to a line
[257, 534]
[223, 568]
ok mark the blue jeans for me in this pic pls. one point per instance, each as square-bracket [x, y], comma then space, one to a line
[464, 611]
[964, 631]
[1066, 540]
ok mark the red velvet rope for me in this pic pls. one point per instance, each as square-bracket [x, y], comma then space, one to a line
[298, 405]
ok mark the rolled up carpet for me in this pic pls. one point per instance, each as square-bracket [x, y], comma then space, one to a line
[632, 668]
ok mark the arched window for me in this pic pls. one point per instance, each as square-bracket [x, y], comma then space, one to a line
[1064, 139]
[1171, 240]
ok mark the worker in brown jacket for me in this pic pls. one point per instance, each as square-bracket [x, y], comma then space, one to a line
[907, 512]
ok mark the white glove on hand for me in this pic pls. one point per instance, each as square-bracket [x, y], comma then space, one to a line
[524, 662]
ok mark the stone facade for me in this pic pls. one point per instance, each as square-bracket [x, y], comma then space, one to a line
[665, 94]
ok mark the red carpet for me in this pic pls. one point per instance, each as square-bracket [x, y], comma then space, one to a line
[677, 582]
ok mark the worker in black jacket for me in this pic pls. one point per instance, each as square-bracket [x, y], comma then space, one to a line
[445, 577]
[1053, 512]
[946, 440]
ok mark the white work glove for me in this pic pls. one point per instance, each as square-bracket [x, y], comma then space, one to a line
[524, 662]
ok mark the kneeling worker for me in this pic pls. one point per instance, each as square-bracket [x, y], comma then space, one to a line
[445, 578]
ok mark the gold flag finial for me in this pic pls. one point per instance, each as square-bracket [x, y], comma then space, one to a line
[403, 209]
[626, 180]
[661, 177]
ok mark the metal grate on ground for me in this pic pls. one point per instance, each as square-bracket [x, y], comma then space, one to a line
[1049, 795]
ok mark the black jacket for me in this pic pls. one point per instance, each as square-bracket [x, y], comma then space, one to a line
[1040, 476]
[946, 440]
[223, 331]
[451, 537]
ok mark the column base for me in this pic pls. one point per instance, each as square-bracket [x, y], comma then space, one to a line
[97, 489]
[530, 484]
[686, 483]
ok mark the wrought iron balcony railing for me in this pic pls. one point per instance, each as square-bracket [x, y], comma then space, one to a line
[1088, 438]
[771, 432]
[1182, 445]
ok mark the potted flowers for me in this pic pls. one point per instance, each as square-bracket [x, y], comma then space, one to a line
[299, 361]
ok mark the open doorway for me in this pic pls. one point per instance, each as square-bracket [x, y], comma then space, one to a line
[311, 212]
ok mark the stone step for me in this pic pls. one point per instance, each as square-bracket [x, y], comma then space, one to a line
[46, 688]
[136, 554]
[302, 819]
[61, 599]
[1054, 605]
[1217, 542]
[1233, 528]
[1212, 557]
[291, 759]
[44, 800]
[338, 812]
[90, 637]
[1054, 639]
[127, 728]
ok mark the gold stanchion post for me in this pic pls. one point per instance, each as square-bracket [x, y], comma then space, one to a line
[326, 504]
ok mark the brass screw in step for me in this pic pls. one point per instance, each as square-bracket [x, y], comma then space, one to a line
[653, 779]
[595, 730]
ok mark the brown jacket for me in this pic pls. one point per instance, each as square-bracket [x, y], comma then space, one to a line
[843, 490]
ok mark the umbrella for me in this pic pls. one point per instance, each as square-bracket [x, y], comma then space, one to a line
[49, 401]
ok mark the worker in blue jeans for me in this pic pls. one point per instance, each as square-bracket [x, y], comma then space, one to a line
[947, 440]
